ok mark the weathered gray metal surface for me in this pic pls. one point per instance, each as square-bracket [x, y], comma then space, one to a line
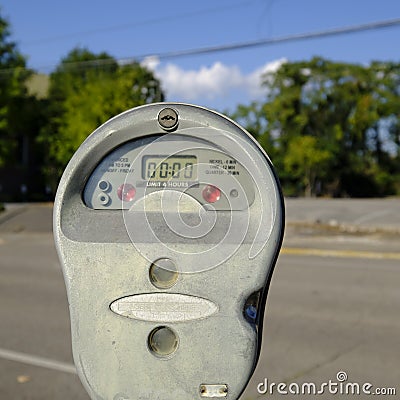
[106, 256]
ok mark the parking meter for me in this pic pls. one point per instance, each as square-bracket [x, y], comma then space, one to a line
[168, 221]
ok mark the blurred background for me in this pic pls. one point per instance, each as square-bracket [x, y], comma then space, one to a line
[316, 83]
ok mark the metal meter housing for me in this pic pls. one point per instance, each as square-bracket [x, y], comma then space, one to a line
[168, 221]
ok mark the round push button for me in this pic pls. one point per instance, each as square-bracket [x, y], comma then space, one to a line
[162, 341]
[163, 273]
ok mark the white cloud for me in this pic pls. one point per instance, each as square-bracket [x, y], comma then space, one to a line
[218, 81]
[254, 80]
[151, 63]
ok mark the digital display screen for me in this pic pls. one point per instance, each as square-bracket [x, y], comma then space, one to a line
[164, 168]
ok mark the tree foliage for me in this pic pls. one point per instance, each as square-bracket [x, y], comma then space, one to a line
[85, 91]
[307, 162]
[332, 127]
[13, 75]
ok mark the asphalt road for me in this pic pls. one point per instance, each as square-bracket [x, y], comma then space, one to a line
[333, 306]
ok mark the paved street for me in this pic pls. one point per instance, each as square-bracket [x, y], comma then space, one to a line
[333, 306]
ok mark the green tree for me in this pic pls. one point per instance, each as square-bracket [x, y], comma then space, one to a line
[252, 118]
[78, 67]
[307, 162]
[13, 75]
[343, 106]
[85, 91]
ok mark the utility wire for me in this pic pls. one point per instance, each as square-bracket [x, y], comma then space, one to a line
[278, 40]
[235, 46]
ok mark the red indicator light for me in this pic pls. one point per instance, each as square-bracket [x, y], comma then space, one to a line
[211, 194]
[126, 192]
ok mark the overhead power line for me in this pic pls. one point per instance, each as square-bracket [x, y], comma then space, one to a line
[282, 39]
[235, 46]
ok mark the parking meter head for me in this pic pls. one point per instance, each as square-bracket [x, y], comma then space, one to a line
[168, 221]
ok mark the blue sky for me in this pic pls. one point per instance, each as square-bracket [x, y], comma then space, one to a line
[46, 30]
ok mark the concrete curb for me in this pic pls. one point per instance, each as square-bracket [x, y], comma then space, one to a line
[343, 228]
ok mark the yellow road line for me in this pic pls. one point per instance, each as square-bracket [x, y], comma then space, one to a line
[340, 253]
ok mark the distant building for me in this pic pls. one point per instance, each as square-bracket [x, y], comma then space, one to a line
[38, 86]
